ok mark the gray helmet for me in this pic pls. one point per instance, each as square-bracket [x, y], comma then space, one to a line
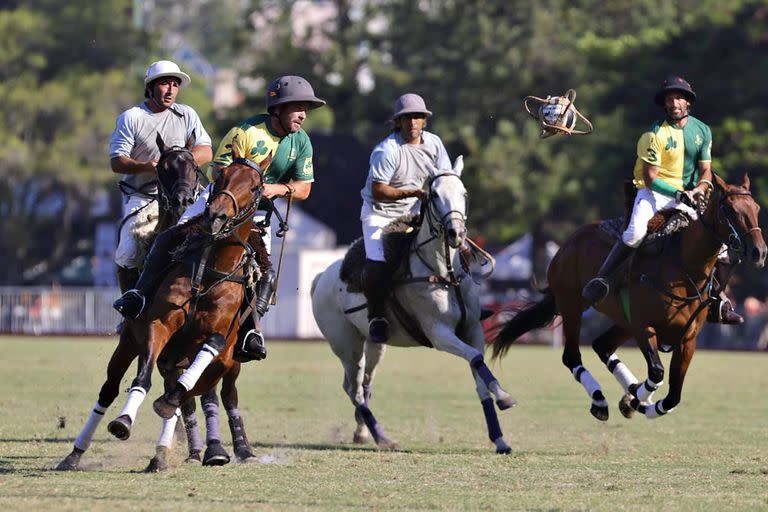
[290, 89]
[410, 103]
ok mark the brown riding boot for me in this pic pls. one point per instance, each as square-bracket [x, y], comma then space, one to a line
[597, 288]
[376, 285]
[721, 312]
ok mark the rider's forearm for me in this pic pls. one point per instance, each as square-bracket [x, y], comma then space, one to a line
[662, 187]
[385, 192]
[202, 154]
[126, 165]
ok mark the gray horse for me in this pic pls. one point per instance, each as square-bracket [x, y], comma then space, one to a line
[443, 302]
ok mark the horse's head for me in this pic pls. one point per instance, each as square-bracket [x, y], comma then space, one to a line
[236, 194]
[177, 176]
[446, 209]
[733, 212]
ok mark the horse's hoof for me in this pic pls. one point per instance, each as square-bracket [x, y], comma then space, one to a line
[504, 451]
[506, 402]
[215, 455]
[194, 458]
[388, 444]
[248, 459]
[361, 436]
[600, 412]
[120, 427]
[159, 462]
[164, 408]
[245, 456]
[71, 462]
[625, 406]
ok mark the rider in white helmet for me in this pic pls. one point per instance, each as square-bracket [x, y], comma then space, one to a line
[133, 152]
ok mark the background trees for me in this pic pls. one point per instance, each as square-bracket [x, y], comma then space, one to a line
[68, 68]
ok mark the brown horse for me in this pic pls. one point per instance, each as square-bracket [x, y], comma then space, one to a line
[192, 320]
[178, 186]
[664, 304]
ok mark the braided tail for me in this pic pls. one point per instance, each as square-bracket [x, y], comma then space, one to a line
[533, 315]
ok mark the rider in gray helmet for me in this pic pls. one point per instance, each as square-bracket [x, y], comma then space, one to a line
[277, 133]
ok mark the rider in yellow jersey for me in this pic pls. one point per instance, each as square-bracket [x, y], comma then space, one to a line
[673, 170]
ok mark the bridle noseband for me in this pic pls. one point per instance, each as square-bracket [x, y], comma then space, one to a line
[436, 222]
[240, 215]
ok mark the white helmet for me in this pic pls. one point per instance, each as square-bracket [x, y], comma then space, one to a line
[163, 68]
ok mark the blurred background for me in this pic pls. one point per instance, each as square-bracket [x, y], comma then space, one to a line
[67, 69]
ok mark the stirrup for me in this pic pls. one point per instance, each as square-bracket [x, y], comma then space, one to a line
[130, 304]
[722, 312]
[596, 290]
[378, 329]
[251, 348]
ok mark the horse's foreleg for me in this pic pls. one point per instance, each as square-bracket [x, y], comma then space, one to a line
[120, 427]
[125, 352]
[605, 347]
[646, 340]
[572, 361]
[681, 359]
[166, 405]
[160, 461]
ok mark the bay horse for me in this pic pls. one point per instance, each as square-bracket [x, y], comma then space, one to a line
[178, 186]
[663, 306]
[192, 320]
[441, 298]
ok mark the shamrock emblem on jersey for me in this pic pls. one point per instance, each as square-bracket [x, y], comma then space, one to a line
[260, 148]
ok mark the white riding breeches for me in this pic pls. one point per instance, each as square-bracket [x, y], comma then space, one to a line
[373, 227]
[127, 251]
[647, 203]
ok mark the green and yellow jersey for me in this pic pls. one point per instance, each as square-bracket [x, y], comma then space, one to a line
[676, 151]
[291, 155]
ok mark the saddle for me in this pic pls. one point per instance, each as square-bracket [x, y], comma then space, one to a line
[397, 238]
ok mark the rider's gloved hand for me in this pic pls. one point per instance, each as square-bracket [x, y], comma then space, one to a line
[685, 197]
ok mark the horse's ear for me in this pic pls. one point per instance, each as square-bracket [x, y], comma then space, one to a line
[458, 165]
[265, 163]
[745, 184]
[160, 143]
[720, 182]
[191, 142]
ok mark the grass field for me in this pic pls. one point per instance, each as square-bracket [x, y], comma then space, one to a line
[710, 454]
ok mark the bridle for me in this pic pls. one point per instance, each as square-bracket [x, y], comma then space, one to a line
[241, 215]
[435, 221]
[164, 195]
[734, 240]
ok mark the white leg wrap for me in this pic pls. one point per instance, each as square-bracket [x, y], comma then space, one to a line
[585, 379]
[83, 440]
[656, 410]
[136, 396]
[189, 378]
[622, 374]
[169, 427]
[646, 390]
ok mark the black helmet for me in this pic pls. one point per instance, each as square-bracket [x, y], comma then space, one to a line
[289, 89]
[674, 83]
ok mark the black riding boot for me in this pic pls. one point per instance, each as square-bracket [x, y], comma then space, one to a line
[126, 278]
[132, 302]
[376, 284]
[250, 344]
[720, 309]
[597, 288]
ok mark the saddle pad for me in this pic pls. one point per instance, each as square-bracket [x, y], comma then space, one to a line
[662, 225]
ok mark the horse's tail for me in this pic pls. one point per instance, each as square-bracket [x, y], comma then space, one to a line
[533, 315]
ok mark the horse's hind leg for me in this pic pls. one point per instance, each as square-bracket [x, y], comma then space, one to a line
[160, 461]
[215, 453]
[124, 354]
[366, 422]
[605, 347]
[240, 444]
[572, 361]
[194, 439]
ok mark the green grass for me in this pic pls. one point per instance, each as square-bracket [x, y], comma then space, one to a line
[710, 454]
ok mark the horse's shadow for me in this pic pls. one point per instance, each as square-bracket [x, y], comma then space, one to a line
[323, 447]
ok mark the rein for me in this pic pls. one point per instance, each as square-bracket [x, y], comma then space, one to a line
[241, 215]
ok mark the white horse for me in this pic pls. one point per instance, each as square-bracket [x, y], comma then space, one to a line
[437, 292]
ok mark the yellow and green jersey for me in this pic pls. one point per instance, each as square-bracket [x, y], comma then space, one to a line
[675, 151]
[291, 155]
